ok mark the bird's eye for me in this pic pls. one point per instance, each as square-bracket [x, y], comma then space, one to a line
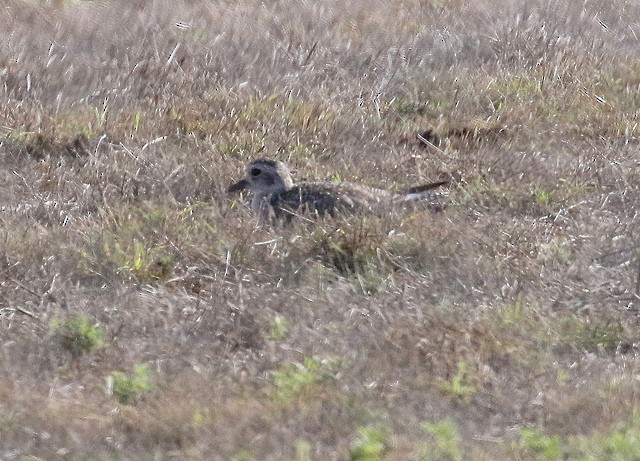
[255, 171]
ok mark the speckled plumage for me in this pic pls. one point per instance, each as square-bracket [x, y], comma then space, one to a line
[276, 195]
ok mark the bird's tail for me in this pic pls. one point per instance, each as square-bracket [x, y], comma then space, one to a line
[426, 192]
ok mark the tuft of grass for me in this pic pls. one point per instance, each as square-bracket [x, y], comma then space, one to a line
[79, 335]
[127, 387]
[542, 446]
[278, 328]
[349, 251]
[242, 455]
[445, 443]
[370, 445]
[606, 335]
[303, 450]
[129, 247]
[543, 197]
[138, 260]
[297, 381]
[620, 443]
[460, 387]
[354, 252]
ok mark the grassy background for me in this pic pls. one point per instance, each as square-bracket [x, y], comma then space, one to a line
[143, 314]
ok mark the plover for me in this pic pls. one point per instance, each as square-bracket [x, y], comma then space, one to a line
[275, 194]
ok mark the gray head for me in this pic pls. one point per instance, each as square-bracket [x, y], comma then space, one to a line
[265, 177]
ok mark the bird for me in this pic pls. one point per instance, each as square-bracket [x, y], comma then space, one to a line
[276, 196]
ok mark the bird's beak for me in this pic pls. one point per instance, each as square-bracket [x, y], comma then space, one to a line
[237, 187]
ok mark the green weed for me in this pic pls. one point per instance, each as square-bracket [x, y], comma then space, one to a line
[445, 444]
[459, 387]
[605, 335]
[79, 336]
[543, 197]
[354, 253]
[294, 381]
[303, 450]
[127, 387]
[621, 443]
[242, 455]
[134, 258]
[370, 445]
[137, 121]
[544, 447]
[130, 249]
[102, 113]
[515, 88]
[278, 328]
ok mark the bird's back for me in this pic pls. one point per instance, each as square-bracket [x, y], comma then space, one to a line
[345, 197]
[319, 199]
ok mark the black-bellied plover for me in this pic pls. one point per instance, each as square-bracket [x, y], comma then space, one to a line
[275, 194]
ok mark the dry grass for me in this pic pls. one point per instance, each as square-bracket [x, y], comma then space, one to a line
[504, 327]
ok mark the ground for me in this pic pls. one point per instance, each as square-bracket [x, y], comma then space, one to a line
[145, 314]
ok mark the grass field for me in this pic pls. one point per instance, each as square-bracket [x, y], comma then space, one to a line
[145, 315]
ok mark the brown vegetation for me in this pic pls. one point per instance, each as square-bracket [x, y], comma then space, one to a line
[144, 315]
